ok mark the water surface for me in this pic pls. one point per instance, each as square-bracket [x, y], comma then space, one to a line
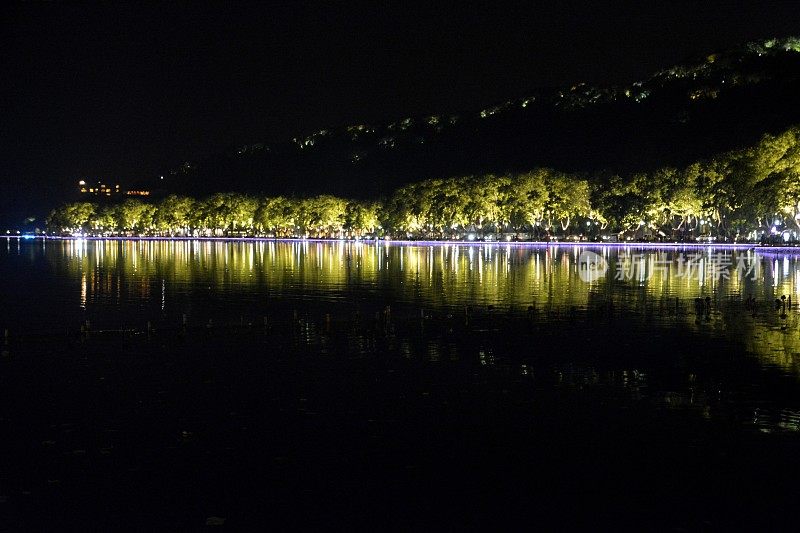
[405, 360]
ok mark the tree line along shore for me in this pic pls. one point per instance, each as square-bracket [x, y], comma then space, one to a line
[748, 194]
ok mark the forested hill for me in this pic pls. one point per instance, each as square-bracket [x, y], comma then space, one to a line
[718, 102]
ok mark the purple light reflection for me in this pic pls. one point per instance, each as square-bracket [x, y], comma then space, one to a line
[524, 244]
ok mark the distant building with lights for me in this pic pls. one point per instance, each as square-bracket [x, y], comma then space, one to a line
[101, 189]
[98, 189]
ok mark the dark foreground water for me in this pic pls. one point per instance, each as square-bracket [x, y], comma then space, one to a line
[350, 386]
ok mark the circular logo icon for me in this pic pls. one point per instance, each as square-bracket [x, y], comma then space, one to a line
[591, 266]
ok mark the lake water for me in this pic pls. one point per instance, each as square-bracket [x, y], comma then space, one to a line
[510, 377]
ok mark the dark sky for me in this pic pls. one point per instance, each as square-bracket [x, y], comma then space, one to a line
[124, 92]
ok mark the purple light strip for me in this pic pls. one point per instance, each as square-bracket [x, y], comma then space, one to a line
[522, 244]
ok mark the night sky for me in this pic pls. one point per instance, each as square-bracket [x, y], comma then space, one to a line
[125, 93]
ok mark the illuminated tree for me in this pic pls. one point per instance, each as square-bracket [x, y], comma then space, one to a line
[223, 213]
[567, 198]
[276, 215]
[528, 198]
[135, 216]
[324, 214]
[105, 220]
[174, 214]
[73, 218]
[361, 217]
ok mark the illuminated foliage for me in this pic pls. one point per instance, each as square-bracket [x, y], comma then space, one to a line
[174, 215]
[74, 218]
[729, 195]
[276, 216]
[135, 216]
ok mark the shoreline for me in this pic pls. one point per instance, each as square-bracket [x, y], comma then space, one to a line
[410, 242]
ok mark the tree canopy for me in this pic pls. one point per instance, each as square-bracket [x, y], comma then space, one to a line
[752, 189]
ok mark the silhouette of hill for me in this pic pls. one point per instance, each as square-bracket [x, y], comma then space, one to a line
[706, 105]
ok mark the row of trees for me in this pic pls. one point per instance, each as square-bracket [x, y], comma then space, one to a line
[756, 189]
[220, 214]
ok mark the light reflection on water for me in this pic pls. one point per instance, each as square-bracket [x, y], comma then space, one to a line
[117, 274]
[448, 275]
[62, 283]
